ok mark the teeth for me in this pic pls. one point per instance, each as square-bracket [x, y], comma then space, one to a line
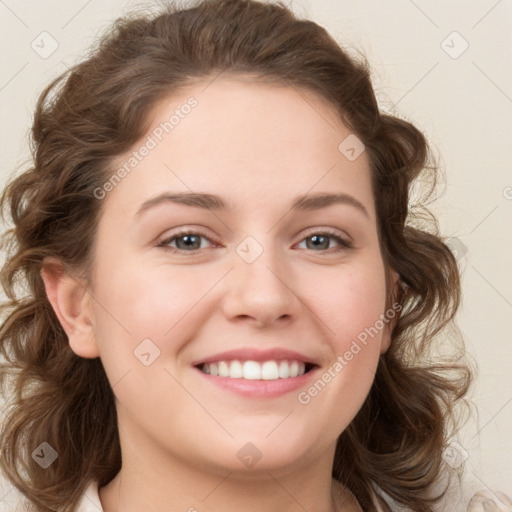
[236, 370]
[269, 370]
[252, 370]
[223, 369]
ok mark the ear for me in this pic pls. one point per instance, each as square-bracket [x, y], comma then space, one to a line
[72, 304]
[393, 309]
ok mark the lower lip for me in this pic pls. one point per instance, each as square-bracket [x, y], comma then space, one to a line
[260, 388]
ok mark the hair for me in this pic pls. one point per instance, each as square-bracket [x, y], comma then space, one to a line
[96, 111]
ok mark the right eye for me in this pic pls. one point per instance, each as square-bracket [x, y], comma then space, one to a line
[186, 241]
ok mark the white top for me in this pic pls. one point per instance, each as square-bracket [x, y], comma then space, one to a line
[90, 501]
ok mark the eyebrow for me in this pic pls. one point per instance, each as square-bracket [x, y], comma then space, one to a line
[306, 202]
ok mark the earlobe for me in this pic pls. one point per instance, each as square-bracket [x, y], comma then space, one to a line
[393, 310]
[72, 305]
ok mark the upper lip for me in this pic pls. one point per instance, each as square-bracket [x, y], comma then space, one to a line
[252, 354]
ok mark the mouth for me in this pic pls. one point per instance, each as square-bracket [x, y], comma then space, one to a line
[256, 370]
[259, 373]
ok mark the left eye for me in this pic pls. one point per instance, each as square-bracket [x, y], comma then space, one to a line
[322, 241]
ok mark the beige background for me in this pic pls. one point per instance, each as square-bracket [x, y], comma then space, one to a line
[462, 100]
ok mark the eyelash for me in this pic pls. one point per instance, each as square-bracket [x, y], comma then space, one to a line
[344, 244]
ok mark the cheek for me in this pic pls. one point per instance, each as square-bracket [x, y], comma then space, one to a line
[165, 306]
[136, 312]
[151, 303]
[351, 305]
[350, 302]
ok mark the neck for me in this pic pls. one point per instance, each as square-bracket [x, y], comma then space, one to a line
[179, 485]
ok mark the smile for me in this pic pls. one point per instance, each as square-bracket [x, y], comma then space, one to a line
[254, 370]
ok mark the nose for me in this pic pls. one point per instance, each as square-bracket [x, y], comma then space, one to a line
[260, 291]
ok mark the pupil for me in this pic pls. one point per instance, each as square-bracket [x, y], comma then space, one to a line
[188, 240]
[320, 237]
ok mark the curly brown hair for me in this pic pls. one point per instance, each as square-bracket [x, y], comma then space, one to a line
[93, 113]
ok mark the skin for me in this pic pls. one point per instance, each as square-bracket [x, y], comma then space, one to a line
[257, 146]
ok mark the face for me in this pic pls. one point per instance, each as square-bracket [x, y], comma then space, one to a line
[262, 271]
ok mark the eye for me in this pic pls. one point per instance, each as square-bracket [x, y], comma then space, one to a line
[186, 241]
[321, 241]
[191, 241]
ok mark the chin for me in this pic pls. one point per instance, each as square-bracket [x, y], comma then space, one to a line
[254, 456]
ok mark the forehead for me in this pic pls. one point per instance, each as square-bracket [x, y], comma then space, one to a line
[250, 111]
[245, 138]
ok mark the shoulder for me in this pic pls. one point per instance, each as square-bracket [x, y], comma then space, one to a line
[455, 500]
[90, 500]
[346, 500]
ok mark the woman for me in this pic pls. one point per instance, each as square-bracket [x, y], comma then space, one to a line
[232, 304]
